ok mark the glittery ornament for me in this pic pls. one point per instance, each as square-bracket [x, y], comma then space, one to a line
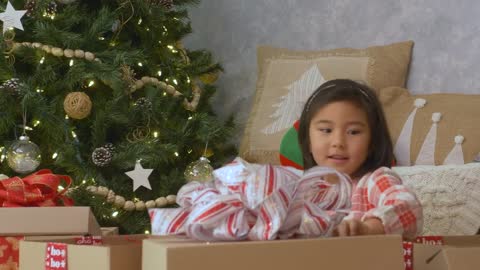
[143, 104]
[199, 170]
[12, 85]
[101, 157]
[30, 6]
[23, 156]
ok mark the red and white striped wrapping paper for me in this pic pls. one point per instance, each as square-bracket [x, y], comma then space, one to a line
[257, 202]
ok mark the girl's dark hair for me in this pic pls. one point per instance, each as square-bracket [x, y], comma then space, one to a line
[380, 148]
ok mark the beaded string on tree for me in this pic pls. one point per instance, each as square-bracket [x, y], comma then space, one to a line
[126, 71]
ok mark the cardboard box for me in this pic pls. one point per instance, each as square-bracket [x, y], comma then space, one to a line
[362, 252]
[25, 222]
[116, 253]
[447, 253]
[63, 220]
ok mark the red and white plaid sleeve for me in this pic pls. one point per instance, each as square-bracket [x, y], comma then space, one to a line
[382, 195]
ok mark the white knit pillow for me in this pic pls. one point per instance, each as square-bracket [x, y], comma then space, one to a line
[450, 195]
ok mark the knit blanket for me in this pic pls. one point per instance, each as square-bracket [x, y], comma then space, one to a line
[450, 195]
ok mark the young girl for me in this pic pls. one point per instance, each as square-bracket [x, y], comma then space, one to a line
[343, 126]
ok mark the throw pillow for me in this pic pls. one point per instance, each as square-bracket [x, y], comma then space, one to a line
[286, 79]
[433, 129]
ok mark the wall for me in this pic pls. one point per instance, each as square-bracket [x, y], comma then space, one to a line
[445, 32]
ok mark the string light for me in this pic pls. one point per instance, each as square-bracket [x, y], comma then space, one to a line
[60, 188]
[159, 73]
[190, 118]
[36, 123]
[188, 79]
[155, 134]
[2, 157]
[40, 90]
[114, 214]
[74, 135]
[140, 64]
[170, 47]
[101, 38]
[148, 29]
[42, 60]
[165, 28]
[91, 83]
[147, 232]
[28, 128]
[164, 93]
[66, 117]
[139, 21]
[175, 81]
[176, 154]
[84, 181]
[166, 79]
[190, 151]
[71, 62]
[55, 155]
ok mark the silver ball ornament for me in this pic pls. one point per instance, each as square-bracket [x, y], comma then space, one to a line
[23, 156]
[200, 171]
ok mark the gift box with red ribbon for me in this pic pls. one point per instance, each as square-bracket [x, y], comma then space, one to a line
[122, 252]
[442, 252]
[37, 205]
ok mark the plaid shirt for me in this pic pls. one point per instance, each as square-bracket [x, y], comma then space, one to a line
[382, 195]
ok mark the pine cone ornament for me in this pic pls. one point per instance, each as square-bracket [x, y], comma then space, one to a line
[101, 156]
[51, 9]
[110, 147]
[143, 104]
[30, 6]
[168, 4]
[12, 85]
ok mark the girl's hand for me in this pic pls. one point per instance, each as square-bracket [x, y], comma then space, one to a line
[354, 227]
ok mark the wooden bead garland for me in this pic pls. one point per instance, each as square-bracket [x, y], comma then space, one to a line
[120, 201]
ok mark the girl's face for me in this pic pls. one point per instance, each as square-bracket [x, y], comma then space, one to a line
[340, 136]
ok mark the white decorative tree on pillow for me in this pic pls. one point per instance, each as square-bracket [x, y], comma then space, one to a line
[290, 106]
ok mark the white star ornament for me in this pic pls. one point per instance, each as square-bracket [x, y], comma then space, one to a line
[140, 176]
[11, 18]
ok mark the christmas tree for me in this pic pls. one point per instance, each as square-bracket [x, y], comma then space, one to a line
[111, 98]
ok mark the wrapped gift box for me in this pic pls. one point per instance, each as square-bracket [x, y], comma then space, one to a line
[444, 252]
[25, 222]
[362, 252]
[108, 253]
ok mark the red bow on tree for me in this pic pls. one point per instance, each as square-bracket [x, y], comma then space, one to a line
[37, 189]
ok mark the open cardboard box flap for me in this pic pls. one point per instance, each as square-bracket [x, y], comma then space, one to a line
[456, 253]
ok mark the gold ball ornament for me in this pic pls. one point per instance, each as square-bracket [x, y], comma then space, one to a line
[77, 105]
[200, 171]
